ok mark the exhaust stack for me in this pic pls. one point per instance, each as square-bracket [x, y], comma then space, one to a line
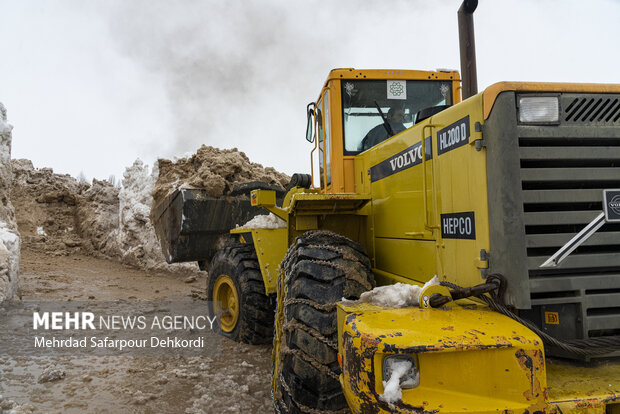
[467, 45]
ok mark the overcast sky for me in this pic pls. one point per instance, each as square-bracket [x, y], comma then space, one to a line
[92, 85]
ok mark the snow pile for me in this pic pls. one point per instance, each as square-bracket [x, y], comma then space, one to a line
[398, 295]
[266, 221]
[135, 237]
[214, 170]
[9, 237]
[391, 388]
[135, 240]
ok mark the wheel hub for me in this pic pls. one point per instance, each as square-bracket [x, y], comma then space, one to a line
[226, 302]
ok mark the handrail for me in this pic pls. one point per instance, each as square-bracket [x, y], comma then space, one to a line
[316, 145]
[427, 224]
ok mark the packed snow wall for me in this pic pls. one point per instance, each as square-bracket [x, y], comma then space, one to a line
[9, 236]
[58, 215]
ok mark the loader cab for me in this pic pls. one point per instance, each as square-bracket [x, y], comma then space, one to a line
[355, 102]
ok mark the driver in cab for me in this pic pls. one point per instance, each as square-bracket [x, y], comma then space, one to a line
[395, 118]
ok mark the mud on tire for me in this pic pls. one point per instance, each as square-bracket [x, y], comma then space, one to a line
[320, 269]
[254, 323]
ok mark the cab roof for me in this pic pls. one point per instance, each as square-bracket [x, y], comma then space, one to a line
[351, 73]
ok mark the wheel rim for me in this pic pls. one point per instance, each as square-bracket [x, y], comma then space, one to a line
[226, 302]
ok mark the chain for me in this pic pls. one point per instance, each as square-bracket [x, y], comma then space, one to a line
[328, 307]
[302, 407]
[291, 326]
[284, 350]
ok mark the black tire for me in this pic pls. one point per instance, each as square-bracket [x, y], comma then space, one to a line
[254, 323]
[320, 269]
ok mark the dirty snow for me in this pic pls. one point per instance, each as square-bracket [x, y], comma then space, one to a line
[58, 215]
[391, 388]
[13, 407]
[235, 380]
[399, 295]
[50, 203]
[51, 373]
[265, 221]
[213, 170]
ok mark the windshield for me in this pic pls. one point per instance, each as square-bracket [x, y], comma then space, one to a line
[399, 100]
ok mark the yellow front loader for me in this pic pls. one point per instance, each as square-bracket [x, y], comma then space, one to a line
[479, 193]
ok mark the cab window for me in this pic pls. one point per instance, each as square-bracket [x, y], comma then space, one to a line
[328, 170]
[319, 132]
[399, 101]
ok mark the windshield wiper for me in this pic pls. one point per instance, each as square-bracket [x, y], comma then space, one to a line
[386, 123]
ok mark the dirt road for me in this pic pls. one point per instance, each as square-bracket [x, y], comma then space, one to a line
[236, 381]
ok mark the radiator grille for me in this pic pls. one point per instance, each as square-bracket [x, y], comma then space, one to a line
[563, 172]
[602, 109]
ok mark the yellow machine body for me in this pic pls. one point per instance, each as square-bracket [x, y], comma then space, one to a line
[470, 360]
[302, 210]
[270, 246]
[419, 204]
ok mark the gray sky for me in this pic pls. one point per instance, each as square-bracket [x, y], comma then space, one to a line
[91, 86]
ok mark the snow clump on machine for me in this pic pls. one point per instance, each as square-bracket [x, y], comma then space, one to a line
[392, 391]
[398, 295]
[265, 221]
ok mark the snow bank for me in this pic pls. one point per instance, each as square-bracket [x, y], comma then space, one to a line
[399, 295]
[9, 237]
[266, 221]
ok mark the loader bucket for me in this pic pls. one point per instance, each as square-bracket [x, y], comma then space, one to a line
[191, 226]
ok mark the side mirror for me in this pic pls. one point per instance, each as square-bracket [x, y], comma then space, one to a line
[310, 115]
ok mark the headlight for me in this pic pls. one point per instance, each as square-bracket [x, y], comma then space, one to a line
[405, 367]
[539, 109]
